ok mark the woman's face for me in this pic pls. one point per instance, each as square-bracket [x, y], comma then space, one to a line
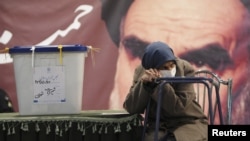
[167, 66]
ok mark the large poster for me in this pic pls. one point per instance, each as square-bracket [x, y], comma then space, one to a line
[212, 35]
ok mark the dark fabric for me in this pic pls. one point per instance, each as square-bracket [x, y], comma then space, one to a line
[53, 128]
[156, 54]
[5, 102]
[168, 137]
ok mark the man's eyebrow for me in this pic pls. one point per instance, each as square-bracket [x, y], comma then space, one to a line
[134, 45]
[212, 55]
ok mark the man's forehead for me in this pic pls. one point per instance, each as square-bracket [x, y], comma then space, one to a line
[202, 21]
[226, 10]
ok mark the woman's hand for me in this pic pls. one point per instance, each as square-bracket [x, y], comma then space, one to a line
[150, 75]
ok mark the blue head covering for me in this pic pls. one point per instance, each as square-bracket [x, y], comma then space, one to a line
[156, 54]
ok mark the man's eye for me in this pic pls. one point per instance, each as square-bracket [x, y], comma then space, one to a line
[212, 56]
[135, 46]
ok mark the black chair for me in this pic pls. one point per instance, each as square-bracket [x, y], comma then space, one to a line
[219, 116]
[207, 88]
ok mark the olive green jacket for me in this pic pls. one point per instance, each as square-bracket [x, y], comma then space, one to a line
[179, 108]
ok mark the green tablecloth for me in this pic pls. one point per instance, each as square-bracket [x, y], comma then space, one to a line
[104, 125]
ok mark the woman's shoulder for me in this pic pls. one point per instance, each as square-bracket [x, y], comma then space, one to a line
[185, 68]
[139, 69]
[182, 62]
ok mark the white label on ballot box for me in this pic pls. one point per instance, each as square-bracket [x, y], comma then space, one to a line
[49, 84]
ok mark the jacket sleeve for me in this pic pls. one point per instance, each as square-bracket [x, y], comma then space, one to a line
[139, 94]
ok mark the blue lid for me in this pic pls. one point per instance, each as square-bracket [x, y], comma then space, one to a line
[50, 48]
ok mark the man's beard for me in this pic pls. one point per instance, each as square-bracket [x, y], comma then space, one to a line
[241, 104]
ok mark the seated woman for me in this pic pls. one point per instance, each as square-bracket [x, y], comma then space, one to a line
[181, 116]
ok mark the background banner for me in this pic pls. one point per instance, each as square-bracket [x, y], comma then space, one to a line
[212, 35]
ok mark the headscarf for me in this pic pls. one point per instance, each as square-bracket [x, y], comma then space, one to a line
[156, 54]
